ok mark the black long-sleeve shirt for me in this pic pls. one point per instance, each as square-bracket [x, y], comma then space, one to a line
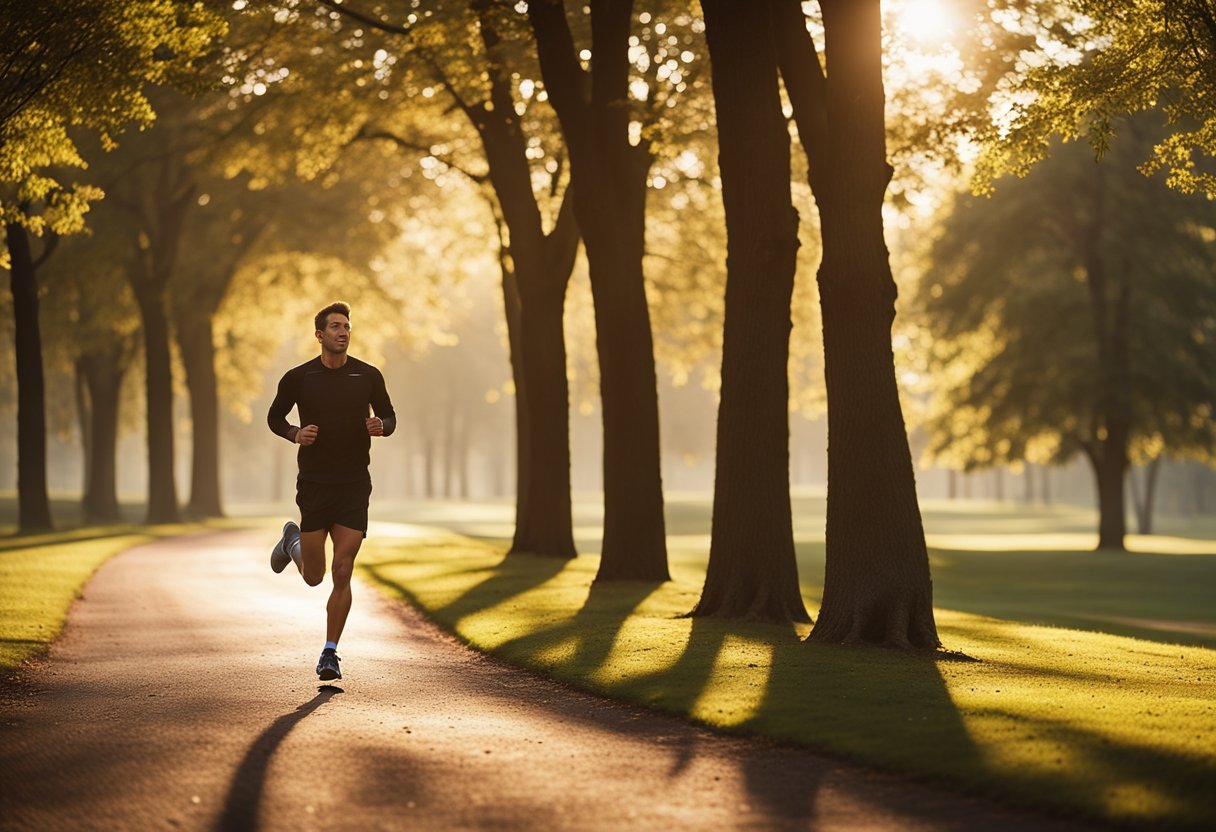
[338, 402]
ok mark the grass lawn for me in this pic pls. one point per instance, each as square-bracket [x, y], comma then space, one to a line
[1091, 688]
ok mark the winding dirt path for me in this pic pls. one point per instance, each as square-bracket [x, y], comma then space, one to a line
[182, 696]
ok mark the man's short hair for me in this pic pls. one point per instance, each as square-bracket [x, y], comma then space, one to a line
[336, 306]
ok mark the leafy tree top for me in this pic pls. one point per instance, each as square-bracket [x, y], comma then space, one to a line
[71, 66]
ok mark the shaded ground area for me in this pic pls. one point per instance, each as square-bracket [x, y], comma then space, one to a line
[182, 696]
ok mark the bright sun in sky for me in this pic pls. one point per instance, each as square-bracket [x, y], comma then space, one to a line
[925, 21]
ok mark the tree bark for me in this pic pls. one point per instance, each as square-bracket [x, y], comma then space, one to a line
[159, 209]
[1144, 503]
[1110, 473]
[158, 389]
[534, 291]
[102, 376]
[33, 504]
[196, 339]
[752, 571]
[877, 586]
[608, 177]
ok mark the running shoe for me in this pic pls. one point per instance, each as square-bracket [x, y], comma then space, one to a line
[287, 547]
[327, 667]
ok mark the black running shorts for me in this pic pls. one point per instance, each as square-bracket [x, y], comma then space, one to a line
[324, 505]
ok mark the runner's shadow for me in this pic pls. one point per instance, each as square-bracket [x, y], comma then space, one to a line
[245, 791]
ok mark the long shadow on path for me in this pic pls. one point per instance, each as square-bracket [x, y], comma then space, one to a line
[245, 791]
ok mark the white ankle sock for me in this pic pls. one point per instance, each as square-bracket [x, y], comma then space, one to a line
[331, 645]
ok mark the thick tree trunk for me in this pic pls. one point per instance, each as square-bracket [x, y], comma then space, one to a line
[158, 203]
[1028, 483]
[877, 586]
[158, 388]
[608, 178]
[33, 504]
[513, 308]
[198, 355]
[548, 528]
[1110, 474]
[535, 307]
[102, 377]
[752, 571]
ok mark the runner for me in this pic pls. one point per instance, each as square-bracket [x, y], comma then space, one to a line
[335, 395]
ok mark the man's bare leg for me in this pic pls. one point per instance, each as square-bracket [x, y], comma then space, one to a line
[346, 547]
[312, 556]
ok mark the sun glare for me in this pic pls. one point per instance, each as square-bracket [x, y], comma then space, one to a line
[925, 21]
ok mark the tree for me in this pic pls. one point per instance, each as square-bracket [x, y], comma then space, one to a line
[92, 328]
[477, 55]
[608, 175]
[67, 65]
[752, 569]
[877, 586]
[1074, 314]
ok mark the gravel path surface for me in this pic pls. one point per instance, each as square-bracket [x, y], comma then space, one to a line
[182, 696]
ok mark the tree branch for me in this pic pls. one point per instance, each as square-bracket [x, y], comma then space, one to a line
[367, 20]
[805, 84]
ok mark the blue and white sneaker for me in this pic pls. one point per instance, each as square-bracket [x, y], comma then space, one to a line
[327, 666]
[288, 547]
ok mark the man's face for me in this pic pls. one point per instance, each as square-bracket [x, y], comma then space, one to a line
[336, 335]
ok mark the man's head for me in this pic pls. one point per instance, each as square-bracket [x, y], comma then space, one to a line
[333, 327]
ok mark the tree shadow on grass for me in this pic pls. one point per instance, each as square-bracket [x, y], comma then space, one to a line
[592, 631]
[513, 575]
[870, 704]
[245, 790]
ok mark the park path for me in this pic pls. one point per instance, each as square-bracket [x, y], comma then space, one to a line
[182, 696]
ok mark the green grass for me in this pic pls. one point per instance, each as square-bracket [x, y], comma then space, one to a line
[41, 575]
[1058, 711]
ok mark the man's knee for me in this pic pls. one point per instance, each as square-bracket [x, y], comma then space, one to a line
[342, 571]
[313, 578]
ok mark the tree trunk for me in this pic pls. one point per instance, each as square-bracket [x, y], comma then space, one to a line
[548, 528]
[608, 177]
[998, 483]
[428, 451]
[449, 445]
[877, 586]
[1028, 483]
[1109, 463]
[1144, 502]
[1045, 485]
[102, 376]
[158, 387]
[197, 344]
[752, 571]
[33, 504]
[534, 291]
[159, 205]
[952, 484]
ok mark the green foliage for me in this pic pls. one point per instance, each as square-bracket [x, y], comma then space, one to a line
[1034, 294]
[1093, 61]
[83, 66]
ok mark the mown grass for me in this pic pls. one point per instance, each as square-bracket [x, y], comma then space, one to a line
[41, 575]
[1041, 712]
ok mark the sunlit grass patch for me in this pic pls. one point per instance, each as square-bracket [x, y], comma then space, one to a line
[1108, 727]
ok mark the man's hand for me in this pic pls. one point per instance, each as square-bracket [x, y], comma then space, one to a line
[375, 426]
[306, 435]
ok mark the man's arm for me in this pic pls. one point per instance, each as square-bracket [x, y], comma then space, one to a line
[381, 405]
[284, 401]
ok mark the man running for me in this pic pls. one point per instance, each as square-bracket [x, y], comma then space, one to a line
[335, 395]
